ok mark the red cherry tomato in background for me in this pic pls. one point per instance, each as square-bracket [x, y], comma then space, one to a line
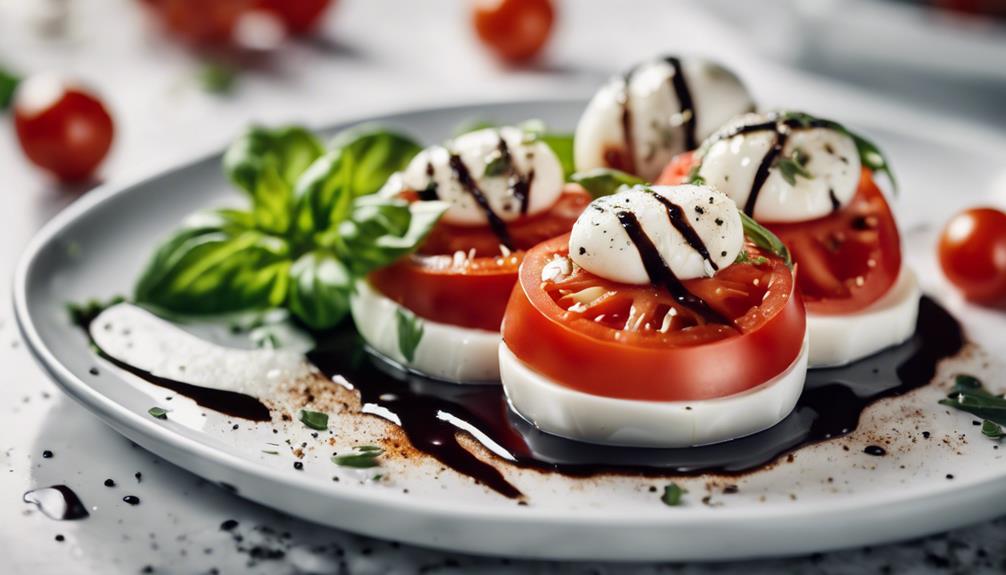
[254, 24]
[300, 16]
[972, 253]
[515, 30]
[63, 128]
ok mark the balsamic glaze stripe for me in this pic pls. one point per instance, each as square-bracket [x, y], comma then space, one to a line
[781, 134]
[520, 185]
[627, 136]
[680, 222]
[685, 105]
[661, 274]
[497, 225]
[429, 193]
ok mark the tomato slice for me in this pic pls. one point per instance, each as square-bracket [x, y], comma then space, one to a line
[460, 277]
[848, 259]
[637, 342]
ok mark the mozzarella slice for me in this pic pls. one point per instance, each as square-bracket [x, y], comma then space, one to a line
[574, 414]
[840, 339]
[447, 352]
[646, 101]
[527, 163]
[828, 157]
[600, 244]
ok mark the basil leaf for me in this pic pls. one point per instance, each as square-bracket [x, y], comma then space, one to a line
[8, 85]
[359, 166]
[790, 168]
[374, 155]
[320, 286]
[158, 412]
[605, 182]
[763, 238]
[381, 230]
[992, 429]
[214, 265]
[672, 494]
[410, 333]
[562, 146]
[265, 164]
[979, 403]
[314, 419]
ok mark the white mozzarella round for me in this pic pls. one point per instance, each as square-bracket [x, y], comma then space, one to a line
[830, 158]
[532, 161]
[840, 339]
[447, 352]
[647, 98]
[574, 414]
[600, 244]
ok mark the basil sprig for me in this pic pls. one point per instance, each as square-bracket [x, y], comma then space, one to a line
[605, 182]
[314, 225]
[534, 130]
[765, 239]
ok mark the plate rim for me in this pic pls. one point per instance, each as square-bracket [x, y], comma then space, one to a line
[892, 505]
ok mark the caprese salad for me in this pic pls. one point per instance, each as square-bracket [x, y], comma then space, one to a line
[505, 192]
[639, 120]
[811, 181]
[666, 318]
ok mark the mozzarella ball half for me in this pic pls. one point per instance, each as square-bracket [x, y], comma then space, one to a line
[600, 244]
[530, 163]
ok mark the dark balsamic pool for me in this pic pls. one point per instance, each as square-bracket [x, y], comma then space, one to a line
[830, 406]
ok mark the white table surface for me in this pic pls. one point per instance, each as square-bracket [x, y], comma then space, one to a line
[375, 55]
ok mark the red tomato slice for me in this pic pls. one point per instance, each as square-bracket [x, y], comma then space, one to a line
[468, 291]
[637, 342]
[848, 259]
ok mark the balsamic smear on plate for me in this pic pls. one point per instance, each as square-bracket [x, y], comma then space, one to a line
[58, 502]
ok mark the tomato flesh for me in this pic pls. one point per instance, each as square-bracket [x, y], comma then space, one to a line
[848, 259]
[62, 128]
[460, 277]
[972, 253]
[637, 342]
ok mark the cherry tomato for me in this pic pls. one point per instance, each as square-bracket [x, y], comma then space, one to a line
[515, 30]
[973, 254]
[300, 16]
[637, 342]
[472, 291]
[198, 21]
[63, 128]
[848, 260]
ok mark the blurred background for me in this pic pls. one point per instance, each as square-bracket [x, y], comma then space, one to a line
[147, 84]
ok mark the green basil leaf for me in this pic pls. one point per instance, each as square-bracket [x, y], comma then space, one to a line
[314, 419]
[8, 85]
[374, 154]
[380, 231]
[320, 286]
[362, 457]
[983, 405]
[214, 265]
[410, 333]
[992, 430]
[605, 182]
[562, 146]
[790, 168]
[765, 239]
[266, 163]
[158, 412]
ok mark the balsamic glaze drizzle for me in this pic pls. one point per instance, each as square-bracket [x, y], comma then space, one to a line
[660, 273]
[767, 162]
[520, 185]
[685, 104]
[497, 225]
[835, 204]
[429, 193]
[628, 138]
[680, 222]
[829, 407]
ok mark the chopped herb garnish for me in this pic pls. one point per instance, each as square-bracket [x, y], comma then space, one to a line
[8, 84]
[763, 238]
[604, 182]
[672, 494]
[267, 452]
[992, 429]
[496, 165]
[314, 419]
[363, 457]
[217, 78]
[744, 258]
[969, 395]
[410, 333]
[158, 412]
[790, 168]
